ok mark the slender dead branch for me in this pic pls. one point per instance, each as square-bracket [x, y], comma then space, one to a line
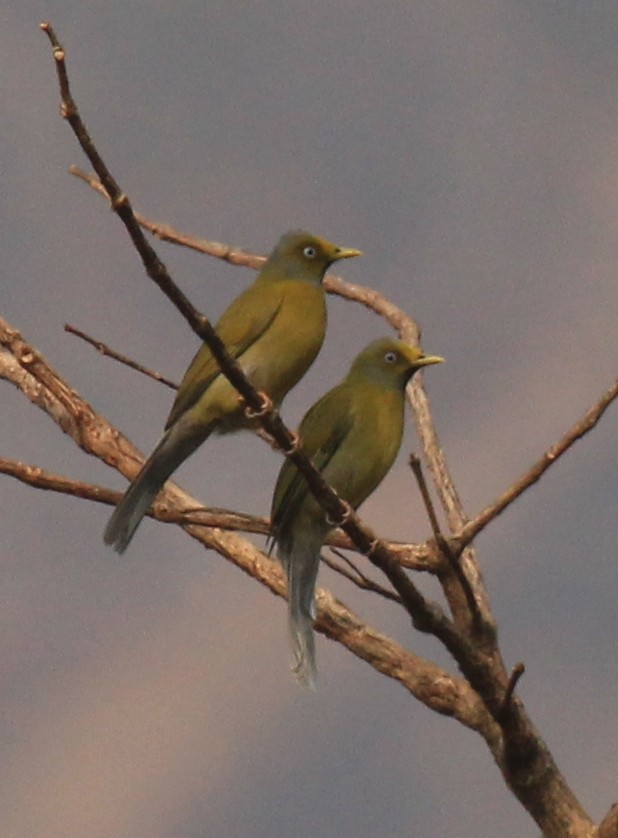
[225, 519]
[354, 575]
[199, 515]
[368, 297]
[104, 349]
[165, 232]
[154, 267]
[123, 359]
[40, 478]
[417, 469]
[583, 426]
[518, 671]
[464, 610]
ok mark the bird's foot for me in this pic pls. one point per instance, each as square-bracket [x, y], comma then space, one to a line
[343, 518]
[266, 407]
[294, 443]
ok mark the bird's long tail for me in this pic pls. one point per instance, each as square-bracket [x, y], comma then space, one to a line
[173, 449]
[301, 564]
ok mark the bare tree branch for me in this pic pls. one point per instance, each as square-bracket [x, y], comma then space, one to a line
[417, 470]
[609, 826]
[40, 478]
[462, 609]
[354, 575]
[583, 426]
[165, 232]
[482, 700]
[104, 349]
[225, 519]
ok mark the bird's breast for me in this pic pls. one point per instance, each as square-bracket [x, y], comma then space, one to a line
[279, 358]
[284, 353]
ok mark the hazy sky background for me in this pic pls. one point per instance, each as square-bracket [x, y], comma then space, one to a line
[470, 149]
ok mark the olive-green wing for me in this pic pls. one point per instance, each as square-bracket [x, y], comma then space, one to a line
[322, 431]
[241, 324]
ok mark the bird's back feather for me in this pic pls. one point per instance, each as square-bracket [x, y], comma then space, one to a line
[241, 325]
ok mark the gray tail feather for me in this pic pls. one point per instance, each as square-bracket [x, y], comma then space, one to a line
[301, 565]
[169, 453]
[303, 650]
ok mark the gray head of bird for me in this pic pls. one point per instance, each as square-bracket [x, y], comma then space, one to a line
[301, 255]
[391, 362]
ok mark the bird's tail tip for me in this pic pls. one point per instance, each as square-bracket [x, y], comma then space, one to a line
[305, 673]
[303, 649]
[116, 537]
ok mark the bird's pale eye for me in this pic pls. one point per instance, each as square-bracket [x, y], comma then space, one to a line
[390, 357]
[309, 252]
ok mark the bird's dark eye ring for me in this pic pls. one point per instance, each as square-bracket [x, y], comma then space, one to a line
[390, 357]
[309, 252]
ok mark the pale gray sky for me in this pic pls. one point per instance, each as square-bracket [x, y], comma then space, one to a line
[470, 150]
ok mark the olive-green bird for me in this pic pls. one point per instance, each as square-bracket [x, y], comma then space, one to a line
[274, 329]
[352, 435]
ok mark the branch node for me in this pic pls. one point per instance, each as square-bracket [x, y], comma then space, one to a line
[518, 671]
[119, 201]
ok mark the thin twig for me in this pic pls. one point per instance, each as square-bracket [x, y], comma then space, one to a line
[518, 671]
[533, 474]
[445, 548]
[104, 349]
[415, 465]
[154, 267]
[207, 516]
[157, 376]
[368, 297]
[356, 576]
[165, 232]
[40, 478]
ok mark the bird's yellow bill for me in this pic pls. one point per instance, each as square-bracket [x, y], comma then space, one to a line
[346, 253]
[426, 360]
